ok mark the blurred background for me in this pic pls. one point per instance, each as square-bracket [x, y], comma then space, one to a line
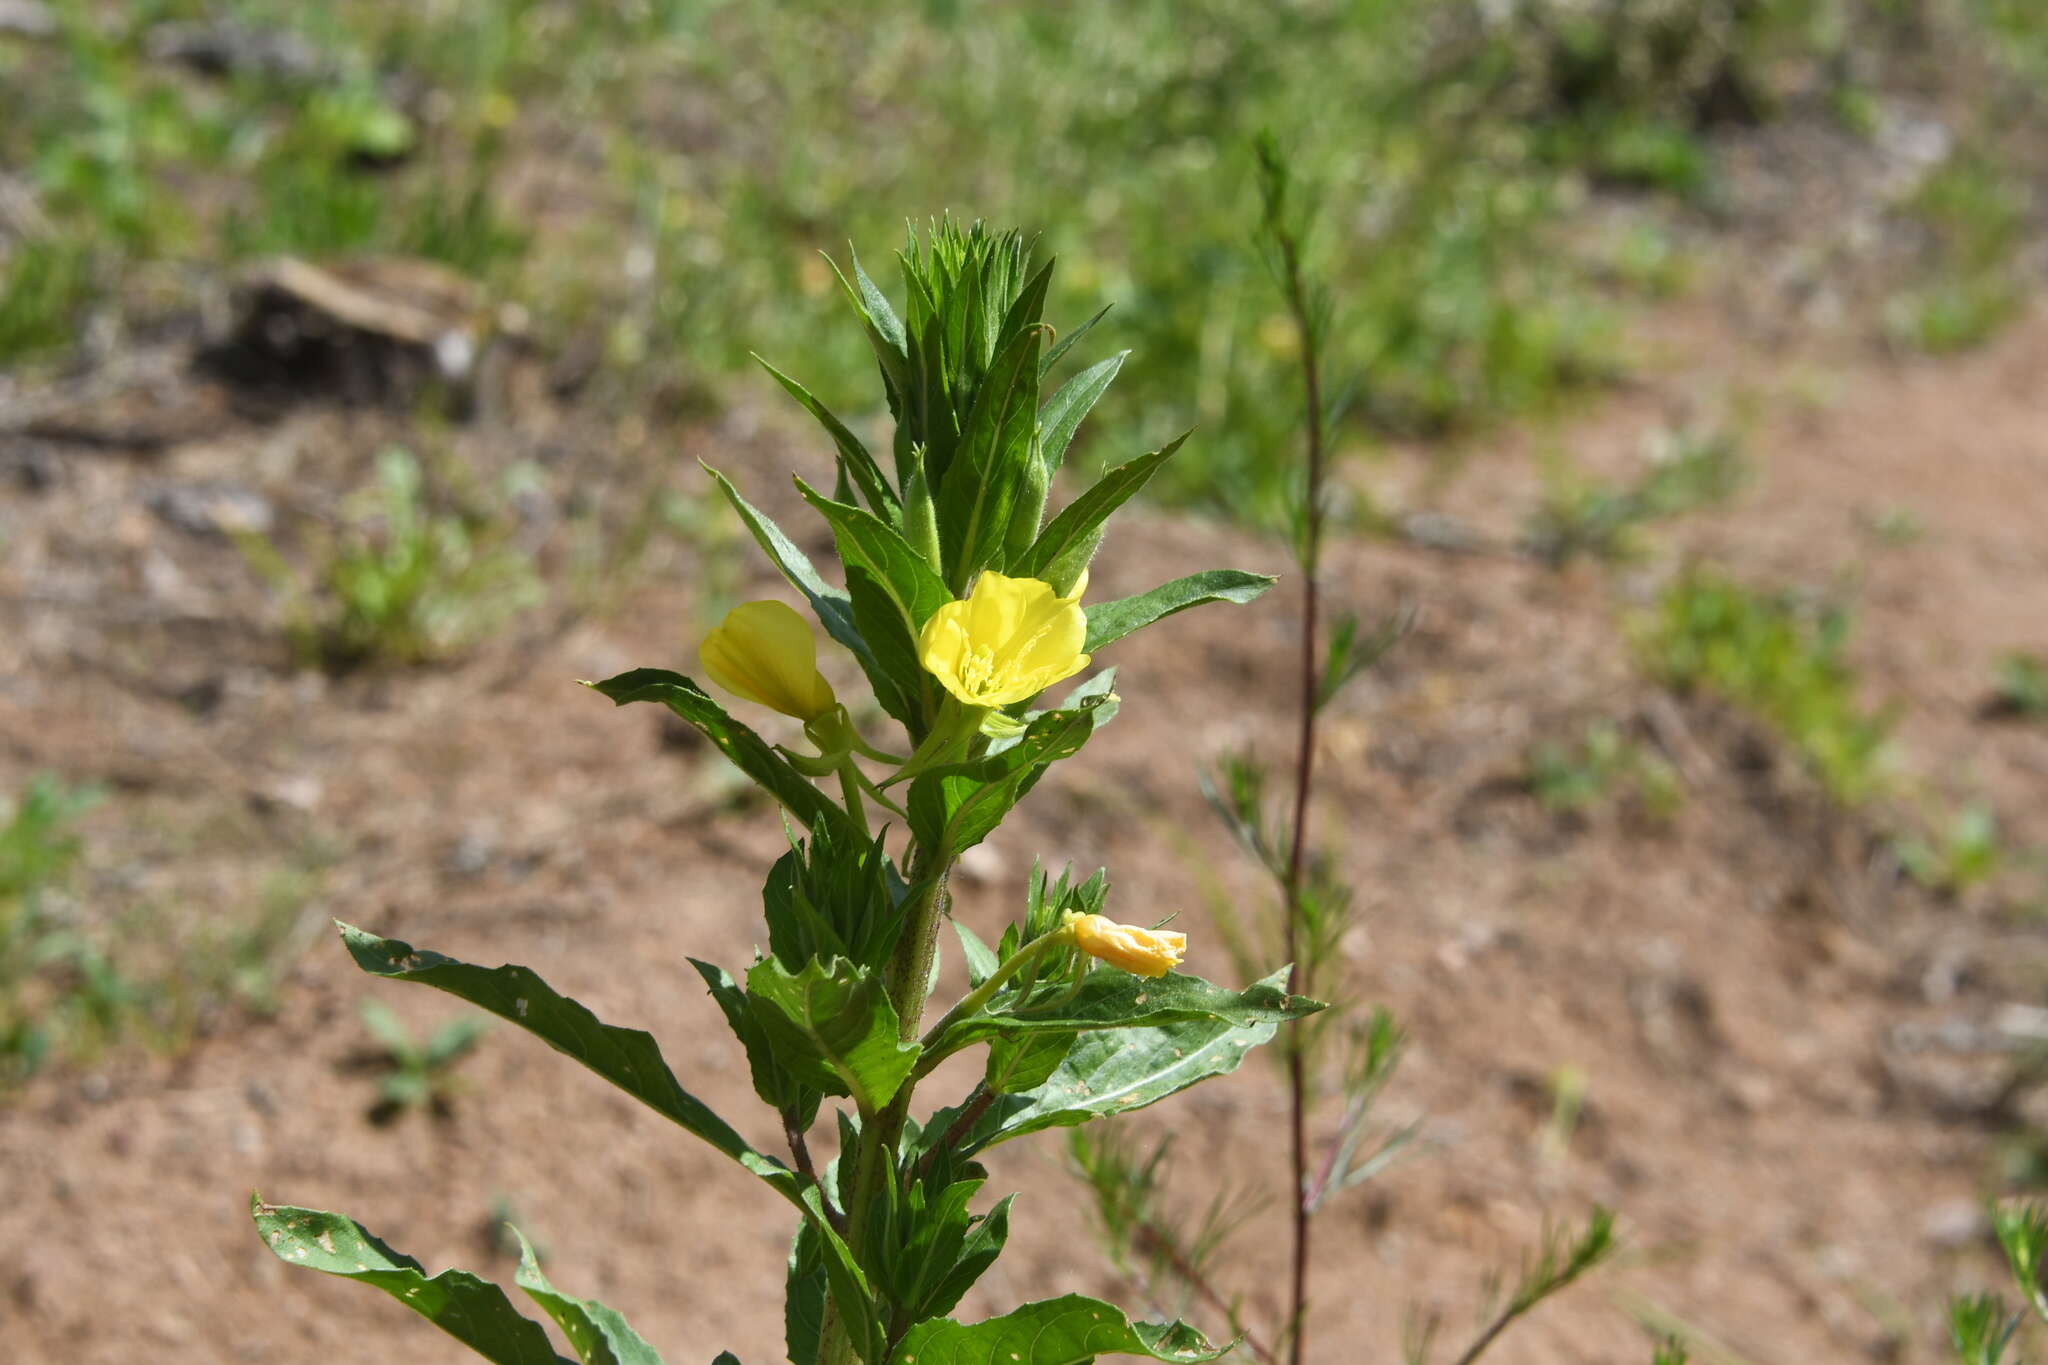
[356, 362]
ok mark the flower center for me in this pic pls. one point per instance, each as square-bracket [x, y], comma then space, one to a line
[978, 669]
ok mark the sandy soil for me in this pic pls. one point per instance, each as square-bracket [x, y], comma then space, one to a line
[1763, 1012]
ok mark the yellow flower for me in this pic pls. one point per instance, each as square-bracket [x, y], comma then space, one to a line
[1141, 952]
[1008, 641]
[763, 652]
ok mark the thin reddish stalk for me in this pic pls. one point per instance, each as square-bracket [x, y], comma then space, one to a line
[1309, 554]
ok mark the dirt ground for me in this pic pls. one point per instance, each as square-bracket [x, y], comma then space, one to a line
[1785, 1096]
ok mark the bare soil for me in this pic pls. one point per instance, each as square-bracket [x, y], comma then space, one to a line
[1787, 1096]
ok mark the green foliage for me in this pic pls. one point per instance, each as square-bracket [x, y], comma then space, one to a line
[1787, 664]
[2023, 686]
[400, 583]
[1693, 468]
[1977, 218]
[60, 992]
[45, 285]
[627, 1058]
[1980, 1326]
[888, 1242]
[1966, 854]
[1604, 763]
[418, 1075]
[473, 1311]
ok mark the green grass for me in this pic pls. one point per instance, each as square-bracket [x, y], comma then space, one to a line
[59, 992]
[399, 582]
[1604, 764]
[678, 167]
[1978, 216]
[1772, 656]
[2023, 686]
[1688, 469]
[1966, 854]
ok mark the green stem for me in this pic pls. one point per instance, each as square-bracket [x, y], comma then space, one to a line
[849, 788]
[972, 1003]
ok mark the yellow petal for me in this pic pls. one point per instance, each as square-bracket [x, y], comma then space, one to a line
[1009, 640]
[763, 652]
[1141, 952]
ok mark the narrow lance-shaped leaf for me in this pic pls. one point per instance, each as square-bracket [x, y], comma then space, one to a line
[979, 486]
[1068, 541]
[1111, 621]
[1064, 412]
[600, 1335]
[774, 1081]
[865, 539]
[866, 474]
[1066, 343]
[833, 607]
[628, 1058]
[848, 1284]
[1066, 1331]
[749, 753]
[473, 1311]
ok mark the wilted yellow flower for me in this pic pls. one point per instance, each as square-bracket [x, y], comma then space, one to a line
[764, 652]
[1141, 952]
[1009, 640]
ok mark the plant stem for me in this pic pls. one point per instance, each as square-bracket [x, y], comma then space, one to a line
[1308, 554]
[908, 975]
[849, 788]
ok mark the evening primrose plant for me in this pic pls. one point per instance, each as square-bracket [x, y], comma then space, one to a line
[964, 606]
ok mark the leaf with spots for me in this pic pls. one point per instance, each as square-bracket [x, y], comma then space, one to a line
[1107, 1073]
[1109, 998]
[599, 1334]
[1065, 1331]
[473, 1311]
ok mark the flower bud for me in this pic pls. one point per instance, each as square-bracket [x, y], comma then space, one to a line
[763, 652]
[1141, 952]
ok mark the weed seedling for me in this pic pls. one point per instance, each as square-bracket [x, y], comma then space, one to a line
[418, 1075]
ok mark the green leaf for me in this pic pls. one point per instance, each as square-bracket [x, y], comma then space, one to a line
[867, 475]
[774, 1081]
[1111, 1072]
[1110, 998]
[832, 1024]
[1067, 543]
[1066, 343]
[851, 1293]
[628, 1058]
[803, 1295]
[1025, 1061]
[894, 589]
[955, 806]
[981, 959]
[473, 1311]
[749, 753]
[599, 1334]
[1066, 1331]
[979, 486]
[832, 606]
[1064, 412]
[1110, 621]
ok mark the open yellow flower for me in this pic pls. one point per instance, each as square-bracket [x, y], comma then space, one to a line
[1008, 641]
[1141, 952]
[763, 652]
